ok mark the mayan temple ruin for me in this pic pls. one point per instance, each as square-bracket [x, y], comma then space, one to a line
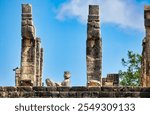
[28, 77]
[30, 71]
[93, 48]
[145, 78]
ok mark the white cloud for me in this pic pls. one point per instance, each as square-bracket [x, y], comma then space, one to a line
[121, 12]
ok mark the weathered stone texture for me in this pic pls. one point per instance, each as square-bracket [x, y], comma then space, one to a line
[31, 53]
[73, 92]
[93, 48]
[111, 80]
[145, 75]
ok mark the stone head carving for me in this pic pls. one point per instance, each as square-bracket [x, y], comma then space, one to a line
[67, 75]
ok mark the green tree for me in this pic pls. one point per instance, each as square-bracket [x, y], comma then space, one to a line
[131, 76]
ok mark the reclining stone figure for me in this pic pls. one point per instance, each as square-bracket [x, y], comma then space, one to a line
[65, 83]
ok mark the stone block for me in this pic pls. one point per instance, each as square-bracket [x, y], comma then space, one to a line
[13, 94]
[93, 18]
[25, 89]
[93, 10]
[94, 83]
[104, 94]
[40, 88]
[10, 89]
[26, 8]
[41, 94]
[94, 88]
[63, 94]
[55, 94]
[51, 88]
[72, 94]
[95, 94]
[84, 94]
[26, 94]
[107, 89]
[79, 88]
[63, 88]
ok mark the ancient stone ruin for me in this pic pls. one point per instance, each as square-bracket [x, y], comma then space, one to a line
[28, 76]
[94, 48]
[145, 78]
[30, 71]
[111, 80]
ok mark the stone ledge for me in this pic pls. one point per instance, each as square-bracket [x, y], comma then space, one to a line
[74, 92]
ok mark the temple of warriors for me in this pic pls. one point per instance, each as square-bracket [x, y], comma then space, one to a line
[28, 77]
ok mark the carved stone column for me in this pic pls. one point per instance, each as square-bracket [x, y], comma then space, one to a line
[28, 51]
[93, 48]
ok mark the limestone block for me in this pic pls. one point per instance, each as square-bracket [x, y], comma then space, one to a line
[30, 22]
[94, 83]
[78, 88]
[93, 10]
[26, 8]
[63, 94]
[93, 18]
[72, 94]
[24, 89]
[39, 88]
[63, 88]
[93, 24]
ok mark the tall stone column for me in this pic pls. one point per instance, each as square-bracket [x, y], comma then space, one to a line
[145, 78]
[38, 62]
[41, 66]
[28, 51]
[93, 48]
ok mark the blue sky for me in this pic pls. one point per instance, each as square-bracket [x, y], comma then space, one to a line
[61, 25]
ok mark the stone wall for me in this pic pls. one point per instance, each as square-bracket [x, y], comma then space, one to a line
[73, 92]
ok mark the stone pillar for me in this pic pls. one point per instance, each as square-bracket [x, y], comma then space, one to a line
[93, 48]
[17, 76]
[28, 51]
[41, 66]
[38, 62]
[145, 78]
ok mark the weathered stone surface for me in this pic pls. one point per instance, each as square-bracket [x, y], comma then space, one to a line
[30, 72]
[40, 88]
[93, 48]
[94, 83]
[51, 88]
[111, 80]
[78, 88]
[25, 89]
[145, 75]
[63, 88]
[63, 94]
[94, 88]
[74, 92]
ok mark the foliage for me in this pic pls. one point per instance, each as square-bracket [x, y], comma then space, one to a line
[131, 77]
